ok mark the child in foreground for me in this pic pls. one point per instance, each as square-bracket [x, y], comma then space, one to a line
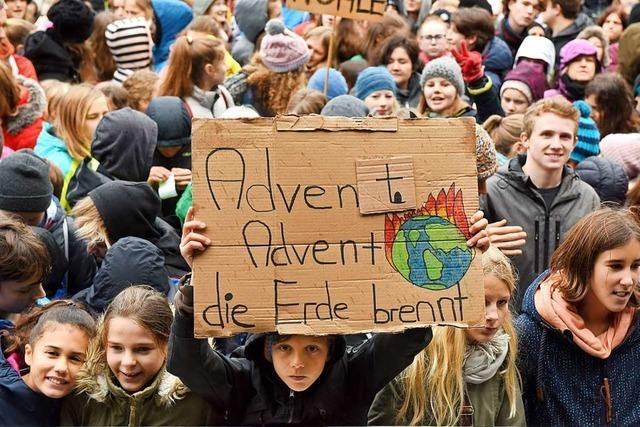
[465, 376]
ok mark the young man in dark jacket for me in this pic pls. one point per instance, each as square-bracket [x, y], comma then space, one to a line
[518, 16]
[537, 191]
[565, 21]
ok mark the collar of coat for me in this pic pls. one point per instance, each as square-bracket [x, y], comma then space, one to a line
[29, 111]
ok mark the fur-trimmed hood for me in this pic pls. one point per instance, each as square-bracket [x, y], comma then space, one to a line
[31, 107]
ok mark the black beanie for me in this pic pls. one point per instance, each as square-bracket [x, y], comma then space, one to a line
[127, 209]
[173, 119]
[72, 20]
[24, 183]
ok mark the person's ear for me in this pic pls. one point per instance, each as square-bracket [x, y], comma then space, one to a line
[208, 69]
[519, 148]
[28, 354]
[471, 41]
[524, 141]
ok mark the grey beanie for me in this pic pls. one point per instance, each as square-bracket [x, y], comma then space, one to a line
[444, 67]
[346, 106]
[24, 183]
[251, 17]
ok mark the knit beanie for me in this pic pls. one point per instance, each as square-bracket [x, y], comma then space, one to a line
[576, 48]
[72, 20]
[373, 79]
[345, 106]
[337, 84]
[623, 148]
[173, 119]
[588, 134]
[282, 50]
[129, 41]
[527, 78]
[127, 209]
[251, 17]
[486, 163]
[24, 183]
[446, 68]
[538, 48]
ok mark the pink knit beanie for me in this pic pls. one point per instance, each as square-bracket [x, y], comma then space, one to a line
[282, 50]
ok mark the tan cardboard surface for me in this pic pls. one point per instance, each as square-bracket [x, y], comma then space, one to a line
[291, 250]
[372, 10]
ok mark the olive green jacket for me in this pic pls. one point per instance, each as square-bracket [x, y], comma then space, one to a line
[489, 402]
[166, 401]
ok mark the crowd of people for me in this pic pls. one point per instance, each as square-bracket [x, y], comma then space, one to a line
[98, 233]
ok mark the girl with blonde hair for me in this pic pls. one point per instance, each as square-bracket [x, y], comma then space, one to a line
[195, 74]
[505, 132]
[124, 381]
[76, 117]
[464, 376]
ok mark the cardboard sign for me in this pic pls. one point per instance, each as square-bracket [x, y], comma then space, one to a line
[386, 185]
[371, 10]
[291, 251]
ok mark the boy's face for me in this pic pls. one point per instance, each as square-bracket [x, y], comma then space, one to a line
[299, 360]
[16, 296]
[551, 142]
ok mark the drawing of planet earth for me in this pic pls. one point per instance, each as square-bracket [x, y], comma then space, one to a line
[431, 252]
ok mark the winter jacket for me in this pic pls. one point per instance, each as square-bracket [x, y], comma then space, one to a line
[209, 105]
[510, 196]
[563, 385]
[509, 36]
[80, 265]
[22, 66]
[606, 176]
[21, 130]
[497, 60]
[21, 406]
[570, 33]
[52, 148]
[488, 401]
[171, 17]
[50, 59]
[128, 262]
[166, 401]
[250, 388]
[410, 97]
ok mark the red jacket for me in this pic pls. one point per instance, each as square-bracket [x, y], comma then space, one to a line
[22, 130]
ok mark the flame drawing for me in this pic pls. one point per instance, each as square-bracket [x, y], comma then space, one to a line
[427, 246]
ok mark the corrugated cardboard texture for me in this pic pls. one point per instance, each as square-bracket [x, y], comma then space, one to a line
[385, 185]
[371, 10]
[291, 251]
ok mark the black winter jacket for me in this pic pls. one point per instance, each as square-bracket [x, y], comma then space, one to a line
[254, 395]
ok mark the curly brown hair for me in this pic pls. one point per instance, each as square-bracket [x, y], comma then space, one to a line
[274, 89]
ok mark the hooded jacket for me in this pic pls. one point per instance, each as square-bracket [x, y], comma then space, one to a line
[80, 265]
[251, 16]
[130, 261]
[172, 16]
[166, 401]
[255, 395]
[563, 385]
[21, 406]
[124, 143]
[497, 60]
[22, 129]
[570, 33]
[510, 196]
[50, 59]
[52, 148]
[410, 97]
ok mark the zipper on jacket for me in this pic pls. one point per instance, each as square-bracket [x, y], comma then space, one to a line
[605, 392]
[557, 235]
[546, 242]
[291, 406]
[536, 237]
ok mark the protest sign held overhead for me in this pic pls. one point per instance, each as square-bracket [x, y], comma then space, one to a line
[332, 225]
[370, 10]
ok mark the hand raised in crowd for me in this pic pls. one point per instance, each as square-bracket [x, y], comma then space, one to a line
[470, 62]
[192, 241]
[158, 174]
[183, 177]
[478, 229]
[509, 239]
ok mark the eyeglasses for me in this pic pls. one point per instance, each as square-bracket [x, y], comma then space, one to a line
[436, 38]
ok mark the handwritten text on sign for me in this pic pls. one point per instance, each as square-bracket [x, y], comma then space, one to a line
[371, 10]
[291, 250]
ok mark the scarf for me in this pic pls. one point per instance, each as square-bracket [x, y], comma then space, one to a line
[564, 316]
[482, 361]
[570, 88]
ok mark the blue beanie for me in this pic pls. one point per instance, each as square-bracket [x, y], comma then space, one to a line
[373, 79]
[588, 134]
[337, 84]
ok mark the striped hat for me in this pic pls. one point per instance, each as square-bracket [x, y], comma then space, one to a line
[588, 134]
[130, 44]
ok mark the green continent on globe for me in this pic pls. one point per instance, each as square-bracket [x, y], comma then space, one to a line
[431, 252]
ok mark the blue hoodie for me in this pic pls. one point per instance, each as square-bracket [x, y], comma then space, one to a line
[172, 16]
[571, 381]
[52, 148]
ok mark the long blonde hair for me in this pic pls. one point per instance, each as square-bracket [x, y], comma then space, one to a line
[433, 384]
[70, 118]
